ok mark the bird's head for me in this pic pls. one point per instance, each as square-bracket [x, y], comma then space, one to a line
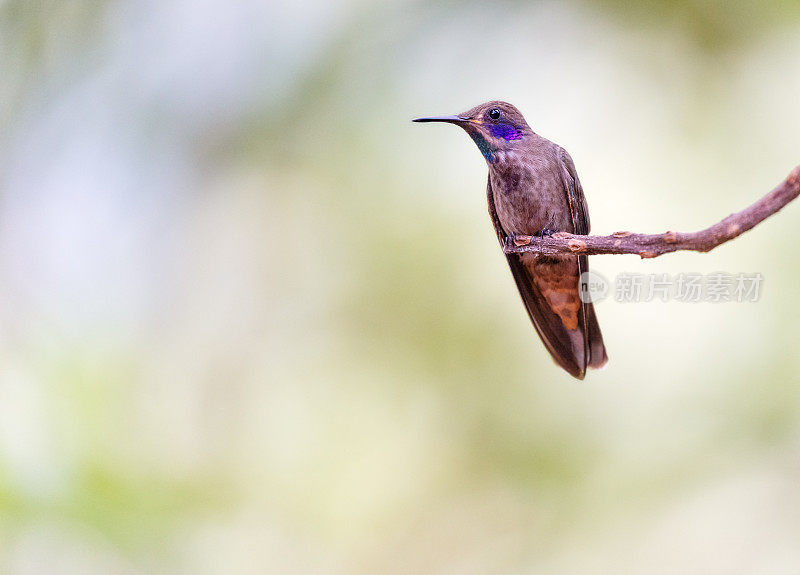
[494, 126]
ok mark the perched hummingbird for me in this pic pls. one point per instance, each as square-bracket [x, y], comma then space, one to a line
[534, 190]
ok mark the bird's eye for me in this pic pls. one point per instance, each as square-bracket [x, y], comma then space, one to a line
[494, 114]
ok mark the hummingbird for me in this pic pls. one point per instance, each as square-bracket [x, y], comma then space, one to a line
[533, 189]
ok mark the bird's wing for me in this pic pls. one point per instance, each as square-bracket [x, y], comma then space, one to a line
[577, 201]
[548, 323]
[579, 213]
[498, 227]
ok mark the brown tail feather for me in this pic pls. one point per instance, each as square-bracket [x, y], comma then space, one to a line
[597, 349]
[568, 327]
[548, 325]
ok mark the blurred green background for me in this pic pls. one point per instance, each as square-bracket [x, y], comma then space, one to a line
[254, 320]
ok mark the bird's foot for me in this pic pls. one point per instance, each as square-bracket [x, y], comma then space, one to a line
[511, 242]
[545, 233]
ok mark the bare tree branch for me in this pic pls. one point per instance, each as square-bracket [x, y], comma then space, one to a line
[653, 245]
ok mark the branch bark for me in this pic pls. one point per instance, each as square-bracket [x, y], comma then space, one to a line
[653, 245]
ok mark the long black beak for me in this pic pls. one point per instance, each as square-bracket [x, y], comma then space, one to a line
[449, 119]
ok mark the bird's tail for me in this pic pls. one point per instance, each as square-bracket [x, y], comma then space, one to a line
[594, 337]
[550, 289]
[597, 349]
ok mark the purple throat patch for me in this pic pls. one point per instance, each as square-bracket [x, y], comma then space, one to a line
[505, 131]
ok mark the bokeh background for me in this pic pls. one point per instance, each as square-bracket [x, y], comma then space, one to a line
[253, 320]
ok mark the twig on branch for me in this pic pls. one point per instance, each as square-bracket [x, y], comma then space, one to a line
[653, 245]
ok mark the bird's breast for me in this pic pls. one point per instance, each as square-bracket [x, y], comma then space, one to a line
[529, 196]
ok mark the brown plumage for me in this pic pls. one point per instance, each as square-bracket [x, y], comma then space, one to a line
[534, 189]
